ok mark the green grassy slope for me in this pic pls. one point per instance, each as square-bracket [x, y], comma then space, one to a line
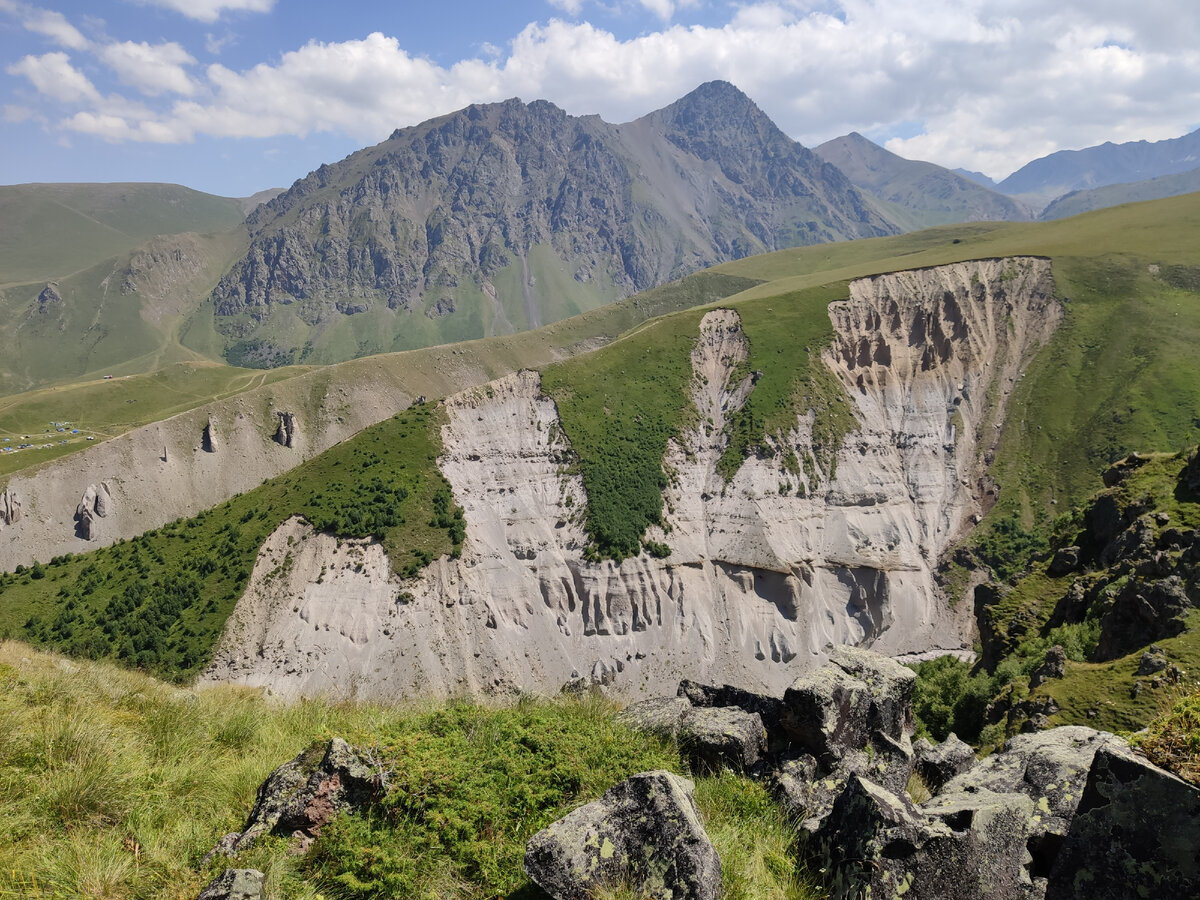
[1077, 202]
[119, 316]
[116, 785]
[159, 602]
[53, 230]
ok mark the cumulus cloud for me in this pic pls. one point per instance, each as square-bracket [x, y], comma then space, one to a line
[56, 27]
[984, 84]
[211, 10]
[53, 75]
[153, 69]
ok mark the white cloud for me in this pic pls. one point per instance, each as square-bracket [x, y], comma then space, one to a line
[53, 75]
[56, 27]
[570, 7]
[211, 10]
[986, 84]
[151, 68]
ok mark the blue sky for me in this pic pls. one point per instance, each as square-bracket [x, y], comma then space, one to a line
[232, 96]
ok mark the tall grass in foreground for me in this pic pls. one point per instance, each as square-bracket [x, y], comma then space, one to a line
[115, 785]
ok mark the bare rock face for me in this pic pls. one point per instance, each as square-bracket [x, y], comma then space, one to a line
[644, 833]
[711, 175]
[10, 508]
[288, 431]
[95, 504]
[208, 438]
[1135, 833]
[758, 586]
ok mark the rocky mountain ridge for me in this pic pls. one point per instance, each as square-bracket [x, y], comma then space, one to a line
[504, 216]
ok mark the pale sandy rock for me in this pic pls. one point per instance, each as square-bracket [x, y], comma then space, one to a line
[759, 585]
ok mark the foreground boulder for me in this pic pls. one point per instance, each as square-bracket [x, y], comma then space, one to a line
[848, 705]
[1136, 833]
[307, 793]
[644, 834]
[1050, 767]
[235, 884]
[875, 843]
[711, 737]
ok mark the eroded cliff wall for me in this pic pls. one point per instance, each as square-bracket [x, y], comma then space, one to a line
[760, 581]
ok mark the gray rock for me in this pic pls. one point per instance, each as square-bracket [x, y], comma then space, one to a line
[878, 844]
[662, 716]
[1065, 559]
[838, 708]
[1152, 661]
[10, 508]
[644, 833]
[1136, 833]
[769, 709]
[1053, 665]
[288, 431]
[938, 763]
[1141, 613]
[723, 736]
[1050, 767]
[307, 793]
[235, 884]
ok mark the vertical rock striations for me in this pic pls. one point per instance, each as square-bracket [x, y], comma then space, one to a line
[760, 583]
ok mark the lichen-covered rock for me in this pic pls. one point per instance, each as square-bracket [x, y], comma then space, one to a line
[938, 763]
[722, 736]
[307, 793]
[877, 844]
[769, 709]
[837, 708]
[1136, 833]
[644, 833]
[234, 884]
[662, 716]
[1050, 767]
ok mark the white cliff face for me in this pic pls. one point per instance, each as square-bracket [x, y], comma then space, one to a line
[759, 582]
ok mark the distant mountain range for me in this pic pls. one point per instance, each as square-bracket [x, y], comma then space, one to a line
[506, 216]
[487, 221]
[917, 194]
[1094, 167]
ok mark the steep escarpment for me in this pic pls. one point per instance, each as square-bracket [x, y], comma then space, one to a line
[506, 216]
[765, 571]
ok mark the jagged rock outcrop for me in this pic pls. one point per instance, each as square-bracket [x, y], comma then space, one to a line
[208, 438]
[710, 736]
[48, 298]
[759, 585]
[307, 793]
[429, 220]
[96, 503]
[1134, 834]
[288, 430]
[10, 508]
[644, 833]
[936, 764]
[875, 843]
[1048, 815]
